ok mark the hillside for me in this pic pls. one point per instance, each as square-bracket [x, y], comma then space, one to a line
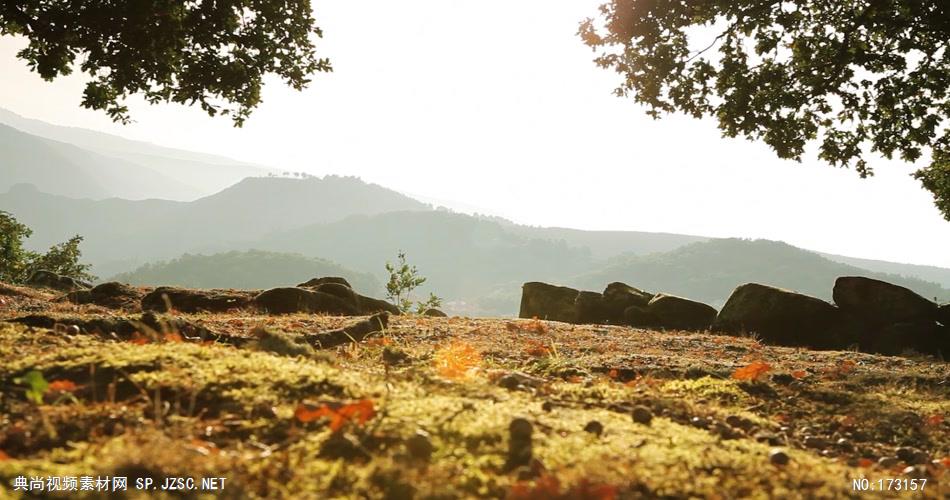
[195, 174]
[64, 169]
[457, 408]
[123, 234]
[465, 258]
[253, 269]
[710, 271]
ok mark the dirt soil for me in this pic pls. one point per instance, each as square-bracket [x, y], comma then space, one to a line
[458, 408]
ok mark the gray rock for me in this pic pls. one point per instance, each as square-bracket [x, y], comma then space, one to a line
[294, 300]
[642, 415]
[943, 315]
[618, 297]
[590, 308]
[112, 294]
[778, 457]
[48, 279]
[881, 302]
[679, 313]
[548, 302]
[639, 316]
[780, 317]
[315, 282]
[192, 301]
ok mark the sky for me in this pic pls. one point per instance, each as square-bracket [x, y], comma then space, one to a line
[498, 107]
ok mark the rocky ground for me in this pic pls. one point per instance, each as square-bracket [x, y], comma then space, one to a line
[455, 408]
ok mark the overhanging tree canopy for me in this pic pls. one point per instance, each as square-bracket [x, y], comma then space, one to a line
[857, 76]
[211, 52]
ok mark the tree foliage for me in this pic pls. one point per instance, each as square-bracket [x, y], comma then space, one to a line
[213, 53]
[17, 263]
[857, 76]
[13, 257]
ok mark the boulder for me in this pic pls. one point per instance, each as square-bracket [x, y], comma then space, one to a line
[943, 315]
[48, 279]
[315, 282]
[926, 337]
[369, 305]
[192, 301]
[435, 313]
[548, 302]
[781, 317]
[681, 314]
[293, 300]
[590, 308]
[618, 297]
[344, 292]
[879, 302]
[639, 316]
[113, 294]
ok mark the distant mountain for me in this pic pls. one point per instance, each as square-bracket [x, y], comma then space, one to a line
[710, 271]
[122, 234]
[464, 257]
[252, 269]
[607, 244]
[193, 174]
[64, 169]
[936, 274]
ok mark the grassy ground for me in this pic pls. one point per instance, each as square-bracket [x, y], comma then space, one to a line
[444, 408]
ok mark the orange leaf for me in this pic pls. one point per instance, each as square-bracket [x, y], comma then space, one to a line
[173, 337]
[61, 386]
[138, 339]
[752, 371]
[457, 360]
[945, 461]
[934, 419]
[847, 421]
[613, 373]
[4, 456]
[865, 462]
[361, 411]
[799, 374]
[536, 348]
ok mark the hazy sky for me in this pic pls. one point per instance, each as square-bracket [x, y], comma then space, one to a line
[497, 105]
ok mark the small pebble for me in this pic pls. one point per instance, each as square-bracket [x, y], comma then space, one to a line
[815, 442]
[547, 406]
[73, 330]
[845, 445]
[887, 462]
[702, 423]
[594, 427]
[420, 446]
[778, 457]
[642, 415]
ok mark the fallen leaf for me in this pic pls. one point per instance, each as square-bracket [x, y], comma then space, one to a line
[934, 419]
[173, 337]
[847, 421]
[361, 411]
[139, 339]
[62, 386]
[536, 348]
[752, 371]
[799, 374]
[865, 462]
[457, 360]
[4, 456]
[613, 373]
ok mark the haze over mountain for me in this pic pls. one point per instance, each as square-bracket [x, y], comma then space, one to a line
[123, 234]
[711, 270]
[83, 163]
[253, 269]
